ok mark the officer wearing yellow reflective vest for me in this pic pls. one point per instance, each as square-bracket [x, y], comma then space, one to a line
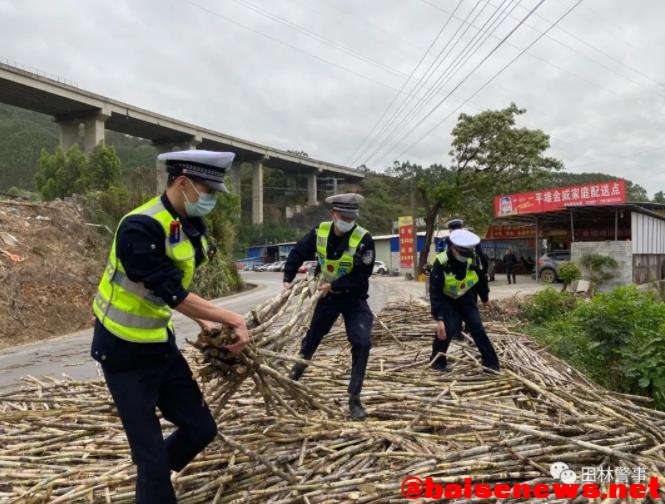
[155, 251]
[453, 281]
[345, 255]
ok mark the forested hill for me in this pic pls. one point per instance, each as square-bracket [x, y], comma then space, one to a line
[23, 134]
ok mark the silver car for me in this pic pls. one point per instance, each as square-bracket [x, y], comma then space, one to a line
[549, 264]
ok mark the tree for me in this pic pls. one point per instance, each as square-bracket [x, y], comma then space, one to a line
[489, 156]
[103, 169]
[599, 269]
[223, 223]
[659, 197]
[568, 273]
[63, 174]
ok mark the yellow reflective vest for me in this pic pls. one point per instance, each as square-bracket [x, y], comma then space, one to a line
[453, 287]
[333, 269]
[126, 308]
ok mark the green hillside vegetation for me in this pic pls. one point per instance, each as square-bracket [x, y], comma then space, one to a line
[25, 134]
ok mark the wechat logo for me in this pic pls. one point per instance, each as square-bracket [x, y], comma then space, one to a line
[561, 471]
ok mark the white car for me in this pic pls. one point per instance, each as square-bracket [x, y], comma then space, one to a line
[276, 266]
[380, 268]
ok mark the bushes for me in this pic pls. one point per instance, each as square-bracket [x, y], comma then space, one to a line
[217, 278]
[616, 338]
[626, 327]
[568, 273]
[548, 305]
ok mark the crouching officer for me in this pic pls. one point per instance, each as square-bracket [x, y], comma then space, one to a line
[345, 253]
[154, 254]
[481, 262]
[452, 281]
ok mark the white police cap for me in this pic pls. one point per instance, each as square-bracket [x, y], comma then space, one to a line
[207, 166]
[464, 239]
[455, 223]
[347, 204]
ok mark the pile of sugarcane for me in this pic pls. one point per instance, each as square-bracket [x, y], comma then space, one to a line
[273, 326]
[61, 441]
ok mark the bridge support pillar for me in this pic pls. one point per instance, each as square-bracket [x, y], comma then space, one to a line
[234, 173]
[86, 131]
[311, 189]
[257, 192]
[169, 146]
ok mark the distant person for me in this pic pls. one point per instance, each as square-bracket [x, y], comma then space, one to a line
[454, 276]
[491, 269]
[509, 262]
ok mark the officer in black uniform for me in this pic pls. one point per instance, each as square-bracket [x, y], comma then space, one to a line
[482, 267]
[148, 274]
[345, 254]
[452, 281]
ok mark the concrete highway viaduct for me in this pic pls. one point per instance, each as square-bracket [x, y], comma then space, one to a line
[83, 117]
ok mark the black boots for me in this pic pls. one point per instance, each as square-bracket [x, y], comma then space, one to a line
[440, 365]
[356, 408]
[297, 370]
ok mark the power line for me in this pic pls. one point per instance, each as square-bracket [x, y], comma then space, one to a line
[291, 46]
[316, 36]
[429, 132]
[437, 7]
[472, 47]
[627, 41]
[385, 112]
[599, 63]
[440, 57]
[424, 78]
[365, 22]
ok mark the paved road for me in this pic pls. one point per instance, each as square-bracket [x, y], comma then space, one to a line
[69, 354]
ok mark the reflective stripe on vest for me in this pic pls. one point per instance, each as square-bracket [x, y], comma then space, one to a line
[121, 279]
[128, 309]
[452, 286]
[333, 269]
[127, 319]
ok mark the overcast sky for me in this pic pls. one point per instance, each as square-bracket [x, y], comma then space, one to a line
[318, 75]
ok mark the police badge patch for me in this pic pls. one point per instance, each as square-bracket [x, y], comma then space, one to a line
[367, 257]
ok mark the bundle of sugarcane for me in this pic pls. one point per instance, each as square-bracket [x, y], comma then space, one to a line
[273, 325]
[62, 442]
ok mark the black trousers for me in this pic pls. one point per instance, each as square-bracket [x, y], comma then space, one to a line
[358, 320]
[510, 272]
[465, 309]
[170, 387]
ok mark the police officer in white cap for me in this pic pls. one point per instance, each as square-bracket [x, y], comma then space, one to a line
[482, 267]
[454, 275]
[156, 249]
[481, 258]
[345, 253]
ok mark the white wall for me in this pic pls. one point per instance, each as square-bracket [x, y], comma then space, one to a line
[647, 234]
[621, 251]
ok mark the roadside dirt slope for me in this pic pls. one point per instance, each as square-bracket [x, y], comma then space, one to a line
[50, 262]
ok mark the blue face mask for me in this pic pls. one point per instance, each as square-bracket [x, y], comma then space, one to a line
[203, 206]
[343, 226]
